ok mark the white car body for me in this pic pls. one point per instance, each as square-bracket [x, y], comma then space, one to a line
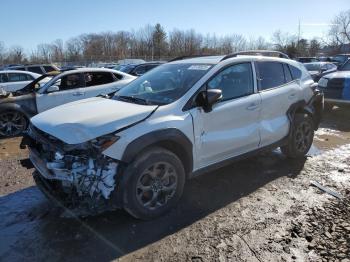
[116, 131]
[259, 120]
[13, 80]
[46, 99]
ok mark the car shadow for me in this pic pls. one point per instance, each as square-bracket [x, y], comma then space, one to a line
[43, 233]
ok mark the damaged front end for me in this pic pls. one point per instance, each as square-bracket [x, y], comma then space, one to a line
[79, 176]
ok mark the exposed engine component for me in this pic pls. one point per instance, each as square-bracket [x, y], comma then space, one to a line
[85, 175]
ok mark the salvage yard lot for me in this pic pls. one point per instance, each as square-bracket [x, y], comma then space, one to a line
[259, 209]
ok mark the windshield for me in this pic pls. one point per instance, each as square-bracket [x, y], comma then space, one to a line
[346, 66]
[164, 84]
[312, 66]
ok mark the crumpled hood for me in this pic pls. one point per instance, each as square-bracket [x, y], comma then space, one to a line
[338, 74]
[83, 120]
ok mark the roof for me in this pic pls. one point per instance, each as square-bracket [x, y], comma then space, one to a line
[20, 71]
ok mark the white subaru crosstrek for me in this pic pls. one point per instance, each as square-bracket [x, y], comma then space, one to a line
[136, 150]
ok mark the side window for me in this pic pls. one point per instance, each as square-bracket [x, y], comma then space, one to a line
[15, 77]
[98, 78]
[3, 78]
[118, 77]
[287, 73]
[69, 82]
[35, 69]
[140, 70]
[234, 81]
[296, 73]
[28, 77]
[270, 75]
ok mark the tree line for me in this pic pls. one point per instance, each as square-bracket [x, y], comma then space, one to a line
[152, 42]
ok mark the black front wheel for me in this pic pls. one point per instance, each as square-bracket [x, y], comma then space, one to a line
[301, 138]
[12, 123]
[156, 183]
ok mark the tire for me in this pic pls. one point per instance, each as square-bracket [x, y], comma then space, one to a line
[12, 123]
[301, 138]
[155, 184]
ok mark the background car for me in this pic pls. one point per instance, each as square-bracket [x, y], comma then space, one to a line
[61, 88]
[307, 59]
[138, 69]
[319, 69]
[39, 69]
[336, 87]
[340, 59]
[13, 80]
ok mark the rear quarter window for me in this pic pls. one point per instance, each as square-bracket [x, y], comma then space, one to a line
[296, 72]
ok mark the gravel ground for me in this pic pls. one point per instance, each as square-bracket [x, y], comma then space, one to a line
[260, 209]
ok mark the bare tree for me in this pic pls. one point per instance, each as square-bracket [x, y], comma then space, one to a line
[339, 32]
[2, 53]
[16, 55]
[57, 51]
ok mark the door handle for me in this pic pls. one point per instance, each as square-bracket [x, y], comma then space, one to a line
[78, 94]
[291, 96]
[252, 107]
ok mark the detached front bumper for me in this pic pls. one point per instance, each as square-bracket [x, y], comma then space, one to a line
[316, 106]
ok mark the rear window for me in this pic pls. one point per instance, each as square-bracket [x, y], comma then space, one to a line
[49, 69]
[296, 72]
[271, 74]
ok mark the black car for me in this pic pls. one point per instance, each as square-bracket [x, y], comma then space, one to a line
[138, 69]
[307, 59]
[39, 69]
[336, 87]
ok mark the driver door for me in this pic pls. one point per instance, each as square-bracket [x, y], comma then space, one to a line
[232, 127]
[70, 88]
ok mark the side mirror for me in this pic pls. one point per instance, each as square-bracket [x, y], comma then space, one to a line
[208, 98]
[52, 89]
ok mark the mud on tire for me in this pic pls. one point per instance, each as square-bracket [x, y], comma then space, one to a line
[301, 137]
[155, 184]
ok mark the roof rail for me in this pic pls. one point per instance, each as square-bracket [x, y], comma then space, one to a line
[257, 53]
[186, 57]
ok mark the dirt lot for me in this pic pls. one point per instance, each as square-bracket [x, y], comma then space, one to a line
[260, 209]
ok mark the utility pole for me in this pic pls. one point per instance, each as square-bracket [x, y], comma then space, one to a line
[298, 36]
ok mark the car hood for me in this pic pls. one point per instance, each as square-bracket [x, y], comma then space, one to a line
[84, 120]
[338, 74]
[314, 72]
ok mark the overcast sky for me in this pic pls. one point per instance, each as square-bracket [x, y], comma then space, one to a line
[28, 23]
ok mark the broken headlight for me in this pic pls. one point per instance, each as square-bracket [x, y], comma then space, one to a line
[103, 142]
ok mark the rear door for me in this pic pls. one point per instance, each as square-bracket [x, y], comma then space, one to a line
[278, 92]
[71, 88]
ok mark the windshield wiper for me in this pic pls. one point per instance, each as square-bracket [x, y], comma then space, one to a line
[135, 100]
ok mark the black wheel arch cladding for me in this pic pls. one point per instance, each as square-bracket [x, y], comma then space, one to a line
[171, 139]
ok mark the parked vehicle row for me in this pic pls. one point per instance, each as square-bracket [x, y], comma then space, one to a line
[137, 149]
[51, 90]
[319, 69]
[13, 80]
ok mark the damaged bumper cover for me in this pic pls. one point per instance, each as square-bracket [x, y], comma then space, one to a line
[78, 176]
